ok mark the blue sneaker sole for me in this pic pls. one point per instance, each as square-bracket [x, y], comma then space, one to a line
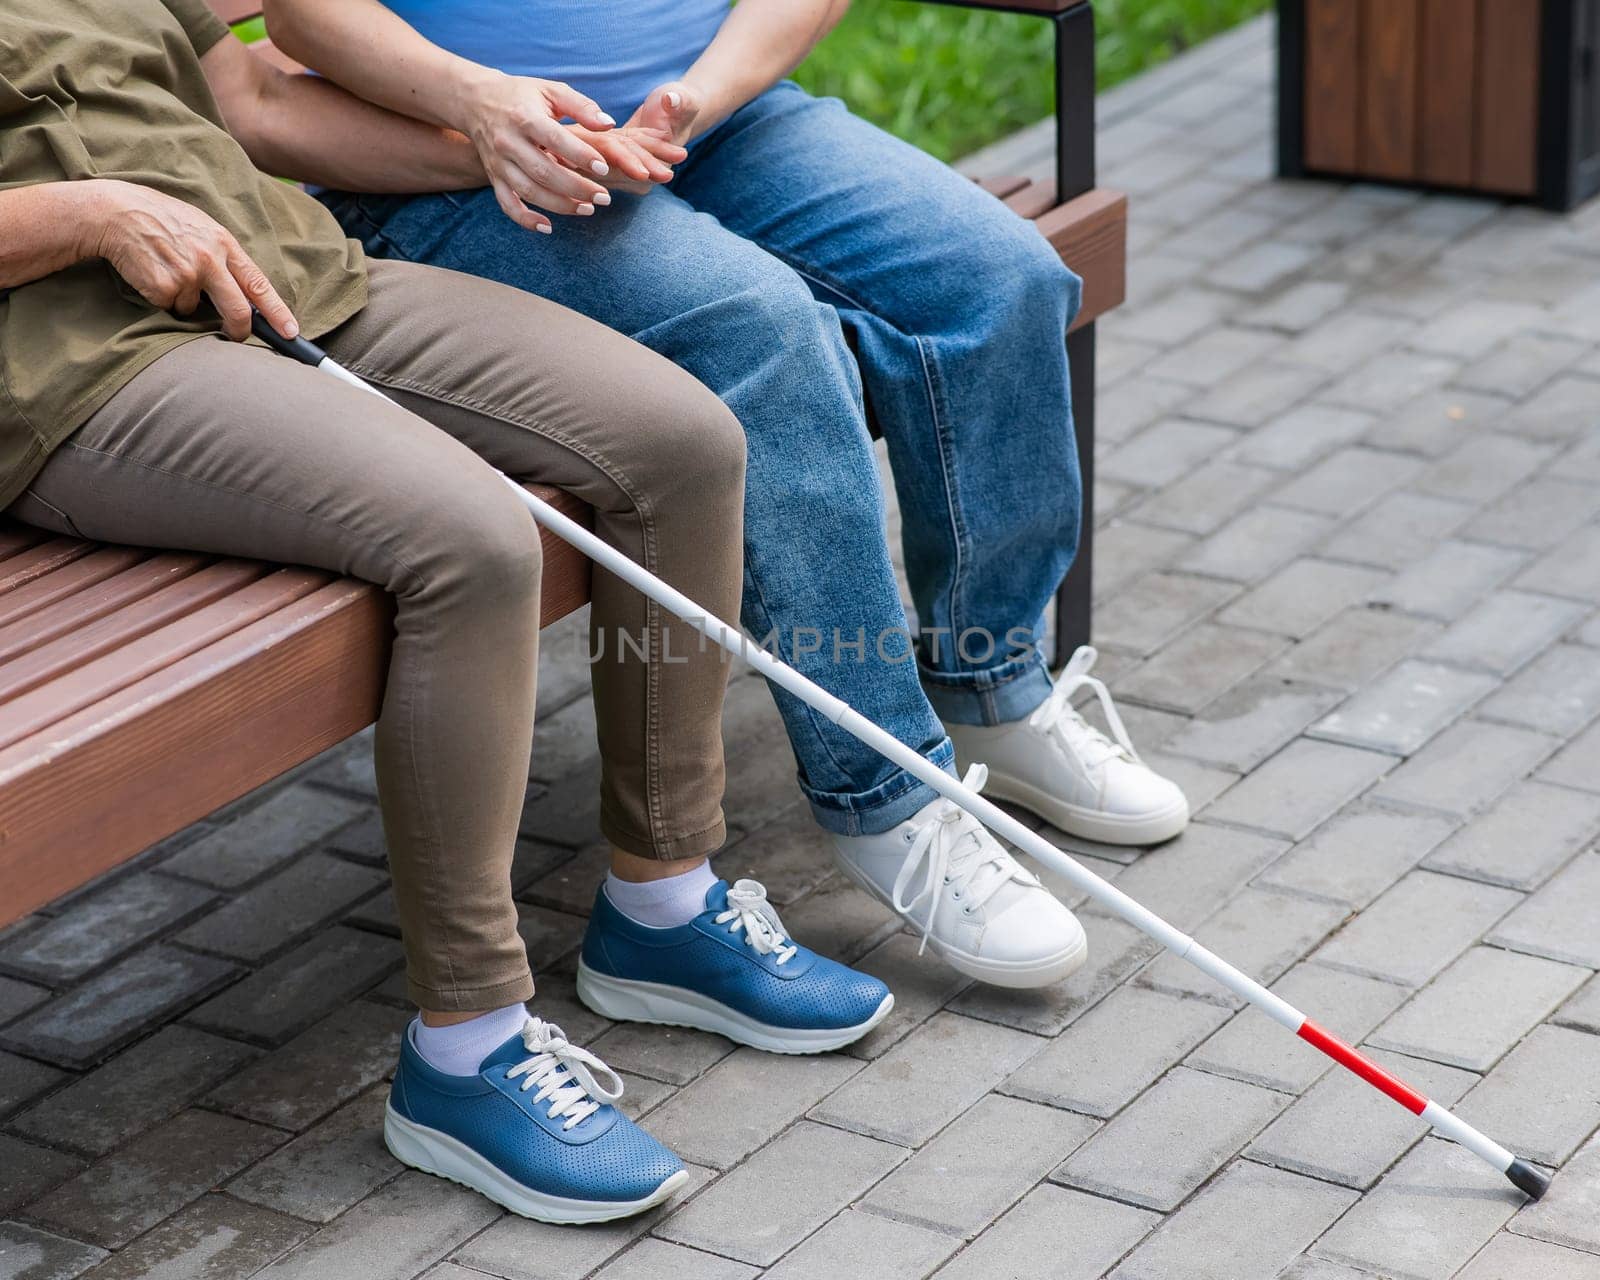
[435, 1152]
[629, 1000]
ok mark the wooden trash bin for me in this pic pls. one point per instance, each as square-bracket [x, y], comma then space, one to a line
[1493, 96]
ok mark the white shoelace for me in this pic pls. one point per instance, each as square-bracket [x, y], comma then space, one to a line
[953, 848]
[1057, 713]
[562, 1072]
[749, 912]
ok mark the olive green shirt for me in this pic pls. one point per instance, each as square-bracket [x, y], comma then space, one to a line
[114, 89]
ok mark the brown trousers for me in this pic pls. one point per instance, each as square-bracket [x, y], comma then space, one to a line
[233, 450]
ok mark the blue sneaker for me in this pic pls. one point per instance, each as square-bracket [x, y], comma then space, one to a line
[534, 1131]
[732, 970]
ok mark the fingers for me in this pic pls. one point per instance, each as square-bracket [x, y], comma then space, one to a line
[229, 299]
[567, 146]
[567, 188]
[258, 292]
[569, 102]
[513, 206]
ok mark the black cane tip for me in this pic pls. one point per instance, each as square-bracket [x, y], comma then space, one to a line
[1527, 1179]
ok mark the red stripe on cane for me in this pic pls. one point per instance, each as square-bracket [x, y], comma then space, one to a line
[1368, 1070]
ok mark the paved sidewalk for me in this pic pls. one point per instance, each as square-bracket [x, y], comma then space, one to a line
[1348, 573]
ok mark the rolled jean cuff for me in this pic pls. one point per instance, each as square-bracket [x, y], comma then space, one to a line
[999, 695]
[667, 848]
[887, 805]
[481, 999]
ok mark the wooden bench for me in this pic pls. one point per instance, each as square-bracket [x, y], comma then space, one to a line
[142, 690]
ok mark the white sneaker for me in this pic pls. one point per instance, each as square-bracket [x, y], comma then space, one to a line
[978, 909]
[1065, 770]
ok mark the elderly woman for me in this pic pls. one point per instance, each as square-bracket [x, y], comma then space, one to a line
[138, 234]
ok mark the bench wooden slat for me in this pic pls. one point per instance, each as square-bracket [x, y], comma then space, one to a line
[113, 778]
[17, 538]
[1091, 235]
[1032, 199]
[93, 568]
[102, 628]
[74, 609]
[228, 601]
[35, 562]
[1002, 185]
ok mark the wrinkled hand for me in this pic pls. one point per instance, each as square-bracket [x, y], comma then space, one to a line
[670, 111]
[172, 253]
[638, 158]
[531, 159]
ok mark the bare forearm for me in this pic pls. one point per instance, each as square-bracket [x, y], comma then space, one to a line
[313, 131]
[761, 42]
[47, 228]
[373, 52]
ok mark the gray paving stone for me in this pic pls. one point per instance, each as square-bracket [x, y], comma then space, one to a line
[26, 1253]
[1115, 950]
[1199, 666]
[651, 1258]
[1478, 1008]
[295, 990]
[1427, 1217]
[1560, 921]
[1125, 551]
[1300, 787]
[1302, 596]
[1522, 363]
[1184, 312]
[1309, 1268]
[1258, 394]
[1116, 1050]
[1253, 1048]
[781, 1194]
[1186, 879]
[1345, 339]
[548, 935]
[571, 885]
[1505, 632]
[125, 1194]
[1202, 1241]
[1205, 498]
[1508, 1257]
[1417, 928]
[1130, 406]
[27, 1171]
[1255, 542]
[294, 1086]
[1524, 839]
[1569, 1213]
[676, 1055]
[856, 1243]
[1563, 409]
[295, 819]
[1400, 532]
[935, 1073]
[1053, 1233]
[1354, 857]
[1391, 379]
[1343, 1130]
[772, 1090]
[920, 990]
[1160, 454]
[396, 1232]
[1354, 647]
[1577, 764]
[1252, 721]
[1348, 480]
[983, 1163]
[1543, 1099]
[791, 856]
[1301, 436]
[17, 997]
[100, 926]
[328, 1168]
[22, 1080]
[150, 1082]
[1450, 579]
[1571, 569]
[1467, 767]
[1171, 1139]
[1560, 693]
[215, 1238]
[1538, 515]
[296, 901]
[1158, 607]
[1260, 931]
[1582, 1010]
[1402, 709]
[82, 1026]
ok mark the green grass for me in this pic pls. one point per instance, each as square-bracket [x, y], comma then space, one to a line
[951, 80]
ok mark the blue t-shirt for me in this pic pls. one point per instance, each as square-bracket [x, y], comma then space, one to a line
[615, 52]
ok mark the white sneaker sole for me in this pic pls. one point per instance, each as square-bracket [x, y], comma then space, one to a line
[446, 1157]
[1091, 824]
[1019, 974]
[629, 1000]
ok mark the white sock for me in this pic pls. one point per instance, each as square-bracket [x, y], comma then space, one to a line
[460, 1049]
[662, 904]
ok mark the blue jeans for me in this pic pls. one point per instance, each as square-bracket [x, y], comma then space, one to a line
[799, 259]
